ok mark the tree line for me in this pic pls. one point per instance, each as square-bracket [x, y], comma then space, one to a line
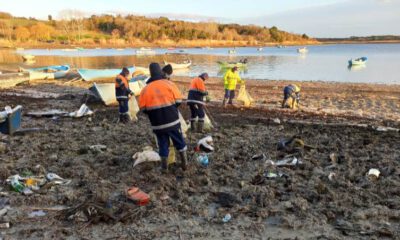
[73, 27]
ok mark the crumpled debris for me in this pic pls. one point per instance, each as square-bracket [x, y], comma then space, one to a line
[38, 213]
[83, 111]
[98, 148]
[291, 161]
[28, 184]
[147, 155]
[205, 145]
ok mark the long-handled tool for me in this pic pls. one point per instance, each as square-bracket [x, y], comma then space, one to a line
[214, 123]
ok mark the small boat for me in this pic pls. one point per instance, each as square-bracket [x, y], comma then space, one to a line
[242, 64]
[28, 57]
[69, 50]
[183, 65]
[79, 48]
[119, 49]
[231, 51]
[207, 48]
[145, 51]
[358, 61]
[260, 49]
[8, 80]
[20, 49]
[106, 91]
[302, 50]
[48, 72]
[91, 74]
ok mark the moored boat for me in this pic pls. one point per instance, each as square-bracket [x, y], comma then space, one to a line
[183, 65]
[231, 51]
[302, 50]
[48, 72]
[91, 74]
[145, 51]
[28, 57]
[242, 64]
[358, 61]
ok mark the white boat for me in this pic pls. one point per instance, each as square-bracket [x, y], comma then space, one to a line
[28, 57]
[183, 65]
[260, 49]
[106, 91]
[358, 61]
[69, 50]
[232, 51]
[302, 50]
[145, 51]
[48, 72]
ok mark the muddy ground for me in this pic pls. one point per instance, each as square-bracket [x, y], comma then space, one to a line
[305, 204]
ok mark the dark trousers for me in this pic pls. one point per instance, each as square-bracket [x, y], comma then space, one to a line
[123, 106]
[197, 111]
[229, 94]
[163, 140]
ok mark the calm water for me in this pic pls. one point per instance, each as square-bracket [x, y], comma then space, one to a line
[324, 63]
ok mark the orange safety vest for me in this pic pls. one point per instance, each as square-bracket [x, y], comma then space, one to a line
[159, 101]
[197, 91]
[121, 87]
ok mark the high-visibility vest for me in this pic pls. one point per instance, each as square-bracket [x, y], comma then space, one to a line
[122, 88]
[159, 101]
[197, 91]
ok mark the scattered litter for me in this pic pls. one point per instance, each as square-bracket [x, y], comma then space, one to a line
[271, 175]
[138, 196]
[38, 213]
[333, 158]
[4, 225]
[83, 111]
[291, 161]
[98, 148]
[147, 155]
[10, 119]
[277, 120]
[202, 159]
[205, 145]
[331, 176]
[49, 113]
[227, 218]
[386, 129]
[28, 184]
[374, 173]
[260, 156]
[292, 145]
[164, 197]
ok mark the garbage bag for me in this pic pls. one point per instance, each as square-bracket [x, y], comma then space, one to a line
[292, 103]
[133, 108]
[147, 155]
[83, 111]
[207, 124]
[184, 125]
[172, 154]
[244, 96]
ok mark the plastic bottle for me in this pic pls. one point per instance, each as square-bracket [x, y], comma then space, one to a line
[203, 160]
[16, 185]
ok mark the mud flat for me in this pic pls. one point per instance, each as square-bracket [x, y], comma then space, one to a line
[307, 203]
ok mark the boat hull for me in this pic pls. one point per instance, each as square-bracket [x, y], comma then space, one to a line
[92, 74]
[106, 91]
[179, 65]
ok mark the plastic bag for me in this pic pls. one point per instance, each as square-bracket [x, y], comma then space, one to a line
[148, 155]
[184, 125]
[207, 124]
[133, 108]
[244, 96]
[291, 103]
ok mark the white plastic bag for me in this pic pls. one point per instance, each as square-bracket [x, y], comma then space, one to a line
[147, 155]
[133, 108]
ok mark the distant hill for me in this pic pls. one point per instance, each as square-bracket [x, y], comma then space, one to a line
[74, 28]
[381, 38]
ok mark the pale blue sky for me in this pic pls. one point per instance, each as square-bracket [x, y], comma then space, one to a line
[320, 18]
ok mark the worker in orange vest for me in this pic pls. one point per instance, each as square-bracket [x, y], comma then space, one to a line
[160, 100]
[196, 103]
[123, 93]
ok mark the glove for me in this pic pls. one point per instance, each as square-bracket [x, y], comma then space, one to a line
[206, 93]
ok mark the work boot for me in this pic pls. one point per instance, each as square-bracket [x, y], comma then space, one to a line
[183, 157]
[193, 125]
[164, 164]
[121, 118]
[200, 126]
[224, 102]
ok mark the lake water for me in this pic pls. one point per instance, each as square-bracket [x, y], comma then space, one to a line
[321, 63]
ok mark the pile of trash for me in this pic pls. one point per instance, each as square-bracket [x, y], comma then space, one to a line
[28, 184]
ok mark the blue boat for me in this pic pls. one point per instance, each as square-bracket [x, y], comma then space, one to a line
[358, 61]
[91, 74]
[48, 72]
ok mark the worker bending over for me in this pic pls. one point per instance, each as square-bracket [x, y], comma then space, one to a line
[291, 96]
[123, 93]
[195, 101]
[160, 100]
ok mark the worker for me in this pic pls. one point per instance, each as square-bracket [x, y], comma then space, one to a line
[160, 100]
[123, 93]
[291, 96]
[195, 102]
[167, 70]
[231, 78]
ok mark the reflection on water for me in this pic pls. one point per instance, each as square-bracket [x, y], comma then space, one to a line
[325, 62]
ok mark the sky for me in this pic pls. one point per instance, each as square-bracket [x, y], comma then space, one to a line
[317, 18]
